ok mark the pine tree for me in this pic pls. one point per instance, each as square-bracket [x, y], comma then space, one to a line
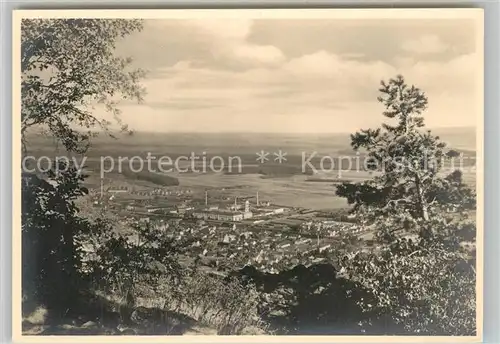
[420, 273]
[410, 186]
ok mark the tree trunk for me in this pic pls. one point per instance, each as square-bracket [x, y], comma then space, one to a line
[421, 202]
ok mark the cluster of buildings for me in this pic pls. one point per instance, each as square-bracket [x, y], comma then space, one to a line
[117, 189]
[235, 213]
[330, 228]
[223, 215]
[166, 192]
[267, 249]
[270, 248]
[184, 206]
[155, 192]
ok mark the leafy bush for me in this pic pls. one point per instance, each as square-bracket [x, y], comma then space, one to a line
[303, 298]
[421, 286]
[78, 55]
[224, 304]
[50, 255]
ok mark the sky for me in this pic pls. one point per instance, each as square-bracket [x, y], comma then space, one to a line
[297, 75]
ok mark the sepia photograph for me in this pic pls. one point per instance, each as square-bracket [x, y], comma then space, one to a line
[253, 174]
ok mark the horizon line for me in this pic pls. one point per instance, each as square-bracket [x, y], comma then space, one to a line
[137, 131]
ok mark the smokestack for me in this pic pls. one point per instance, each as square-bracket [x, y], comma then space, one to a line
[257, 198]
[206, 198]
[102, 187]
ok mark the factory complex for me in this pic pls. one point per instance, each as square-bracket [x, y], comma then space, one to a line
[234, 213]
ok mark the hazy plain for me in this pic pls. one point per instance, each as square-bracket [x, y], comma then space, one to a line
[282, 184]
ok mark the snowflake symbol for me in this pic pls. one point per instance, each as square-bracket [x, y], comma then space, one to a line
[262, 156]
[280, 156]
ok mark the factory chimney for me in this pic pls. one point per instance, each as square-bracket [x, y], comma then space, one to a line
[206, 198]
[257, 198]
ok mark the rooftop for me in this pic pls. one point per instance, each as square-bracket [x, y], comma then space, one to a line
[218, 212]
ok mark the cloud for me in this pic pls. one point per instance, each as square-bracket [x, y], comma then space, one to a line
[222, 29]
[221, 76]
[322, 64]
[427, 44]
[260, 54]
[457, 76]
[319, 92]
[228, 41]
[238, 44]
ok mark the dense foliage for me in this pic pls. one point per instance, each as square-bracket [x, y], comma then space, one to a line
[67, 67]
[50, 259]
